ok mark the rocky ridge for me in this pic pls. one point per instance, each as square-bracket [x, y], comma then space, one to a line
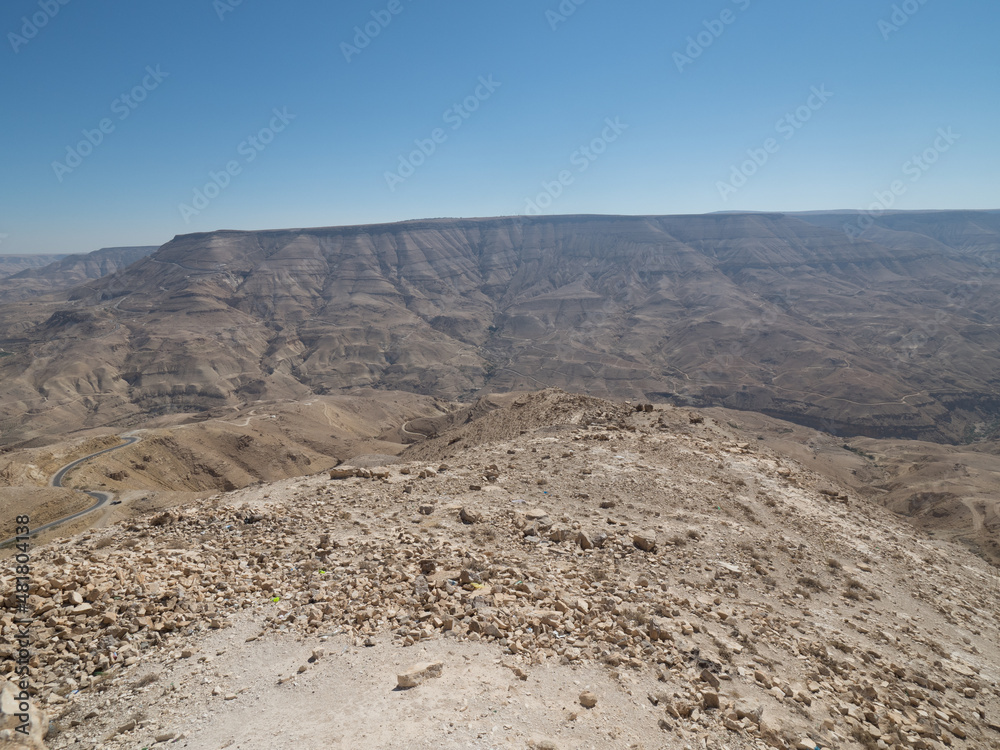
[735, 598]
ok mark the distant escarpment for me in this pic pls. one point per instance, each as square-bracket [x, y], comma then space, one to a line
[890, 333]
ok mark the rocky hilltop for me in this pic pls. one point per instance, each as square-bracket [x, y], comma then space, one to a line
[892, 333]
[558, 572]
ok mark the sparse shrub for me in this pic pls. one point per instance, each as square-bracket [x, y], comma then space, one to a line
[811, 584]
[484, 533]
[147, 679]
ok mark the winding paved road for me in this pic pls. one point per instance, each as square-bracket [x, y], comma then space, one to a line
[57, 481]
[410, 432]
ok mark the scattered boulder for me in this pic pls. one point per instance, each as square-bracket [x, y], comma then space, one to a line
[710, 678]
[561, 534]
[343, 473]
[588, 699]
[469, 516]
[418, 674]
[645, 540]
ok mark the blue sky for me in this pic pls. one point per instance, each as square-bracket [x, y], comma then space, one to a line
[614, 107]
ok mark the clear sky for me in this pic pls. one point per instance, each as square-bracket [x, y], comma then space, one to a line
[221, 114]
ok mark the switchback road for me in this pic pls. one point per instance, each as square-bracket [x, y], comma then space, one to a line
[100, 497]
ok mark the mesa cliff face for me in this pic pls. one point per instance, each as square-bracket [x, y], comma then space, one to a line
[892, 334]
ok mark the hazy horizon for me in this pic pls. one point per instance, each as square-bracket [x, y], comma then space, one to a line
[461, 218]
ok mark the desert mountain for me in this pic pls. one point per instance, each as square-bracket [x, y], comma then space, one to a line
[69, 271]
[12, 264]
[892, 333]
[552, 571]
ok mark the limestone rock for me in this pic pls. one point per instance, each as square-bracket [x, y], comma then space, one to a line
[469, 516]
[711, 679]
[645, 540]
[419, 674]
[588, 699]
